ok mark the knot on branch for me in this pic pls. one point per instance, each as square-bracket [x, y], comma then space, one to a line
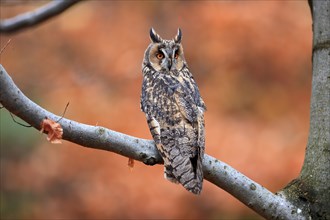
[148, 160]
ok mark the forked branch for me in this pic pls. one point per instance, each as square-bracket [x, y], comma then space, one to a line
[252, 194]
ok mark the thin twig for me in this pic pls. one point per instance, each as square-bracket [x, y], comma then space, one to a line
[67, 104]
[17, 122]
[29, 126]
[4, 47]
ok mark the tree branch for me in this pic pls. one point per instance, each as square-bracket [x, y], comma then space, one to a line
[252, 194]
[35, 17]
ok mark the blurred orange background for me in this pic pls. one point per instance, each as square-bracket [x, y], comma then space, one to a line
[251, 60]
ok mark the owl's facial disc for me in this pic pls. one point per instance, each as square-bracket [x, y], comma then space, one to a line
[166, 57]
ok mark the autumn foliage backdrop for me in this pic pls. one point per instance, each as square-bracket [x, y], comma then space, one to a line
[251, 60]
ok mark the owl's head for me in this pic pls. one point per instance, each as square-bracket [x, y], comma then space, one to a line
[164, 55]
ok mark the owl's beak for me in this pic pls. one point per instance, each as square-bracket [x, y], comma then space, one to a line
[169, 63]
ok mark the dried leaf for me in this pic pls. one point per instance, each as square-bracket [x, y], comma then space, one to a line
[54, 130]
[130, 163]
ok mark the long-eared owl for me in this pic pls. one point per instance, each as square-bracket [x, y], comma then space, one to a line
[174, 110]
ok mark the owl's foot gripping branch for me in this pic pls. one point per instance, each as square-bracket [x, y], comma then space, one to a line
[252, 194]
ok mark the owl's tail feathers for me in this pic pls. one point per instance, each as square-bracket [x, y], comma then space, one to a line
[195, 184]
[169, 175]
[185, 174]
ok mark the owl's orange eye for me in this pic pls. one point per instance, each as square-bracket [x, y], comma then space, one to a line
[160, 56]
[176, 55]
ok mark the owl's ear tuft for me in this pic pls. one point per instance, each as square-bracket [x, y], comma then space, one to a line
[155, 38]
[178, 37]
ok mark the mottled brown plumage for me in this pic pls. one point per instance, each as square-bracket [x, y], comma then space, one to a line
[174, 110]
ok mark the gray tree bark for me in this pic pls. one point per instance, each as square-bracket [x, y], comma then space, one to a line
[32, 18]
[311, 189]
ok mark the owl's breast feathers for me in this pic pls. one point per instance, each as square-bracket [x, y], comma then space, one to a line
[167, 94]
[175, 114]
